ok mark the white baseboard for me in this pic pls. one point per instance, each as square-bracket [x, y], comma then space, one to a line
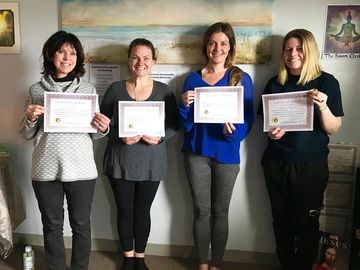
[250, 257]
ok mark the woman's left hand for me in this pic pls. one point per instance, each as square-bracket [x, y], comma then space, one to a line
[319, 99]
[357, 234]
[151, 139]
[229, 128]
[100, 122]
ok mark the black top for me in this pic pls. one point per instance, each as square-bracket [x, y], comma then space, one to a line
[140, 161]
[304, 145]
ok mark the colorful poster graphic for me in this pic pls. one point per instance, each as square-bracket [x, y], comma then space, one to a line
[342, 38]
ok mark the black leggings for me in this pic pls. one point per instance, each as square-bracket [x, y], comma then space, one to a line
[133, 200]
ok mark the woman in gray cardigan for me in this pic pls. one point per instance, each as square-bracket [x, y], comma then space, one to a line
[62, 163]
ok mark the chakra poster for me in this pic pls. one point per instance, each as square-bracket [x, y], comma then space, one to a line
[342, 38]
[106, 27]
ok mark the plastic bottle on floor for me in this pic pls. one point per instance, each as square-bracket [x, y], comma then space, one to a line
[29, 258]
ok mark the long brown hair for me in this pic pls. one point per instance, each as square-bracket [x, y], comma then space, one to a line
[220, 27]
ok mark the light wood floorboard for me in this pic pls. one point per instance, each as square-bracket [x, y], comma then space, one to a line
[103, 260]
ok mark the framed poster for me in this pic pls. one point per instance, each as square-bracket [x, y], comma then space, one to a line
[342, 160]
[342, 38]
[9, 28]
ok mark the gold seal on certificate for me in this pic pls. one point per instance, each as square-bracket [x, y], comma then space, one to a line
[219, 104]
[290, 111]
[141, 118]
[69, 112]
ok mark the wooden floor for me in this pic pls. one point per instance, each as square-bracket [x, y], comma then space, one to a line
[100, 260]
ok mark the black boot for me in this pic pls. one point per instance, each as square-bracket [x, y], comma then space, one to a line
[128, 263]
[140, 264]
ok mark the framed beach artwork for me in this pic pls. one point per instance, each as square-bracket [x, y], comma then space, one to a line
[106, 27]
[9, 28]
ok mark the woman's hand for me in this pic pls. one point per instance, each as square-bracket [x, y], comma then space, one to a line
[357, 234]
[276, 134]
[151, 139]
[33, 112]
[188, 98]
[131, 140]
[229, 128]
[328, 121]
[100, 122]
[319, 99]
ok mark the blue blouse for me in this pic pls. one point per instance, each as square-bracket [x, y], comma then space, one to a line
[209, 139]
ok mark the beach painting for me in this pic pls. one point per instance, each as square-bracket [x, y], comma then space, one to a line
[106, 27]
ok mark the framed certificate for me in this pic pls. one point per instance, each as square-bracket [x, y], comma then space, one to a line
[69, 112]
[342, 159]
[219, 104]
[339, 194]
[336, 223]
[292, 111]
[141, 118]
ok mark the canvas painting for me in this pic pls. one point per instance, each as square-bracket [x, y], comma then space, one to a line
[106, 27]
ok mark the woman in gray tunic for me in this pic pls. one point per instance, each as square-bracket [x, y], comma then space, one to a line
[62, 162]
[136, 165]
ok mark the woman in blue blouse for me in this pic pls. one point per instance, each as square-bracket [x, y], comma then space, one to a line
[212, 151]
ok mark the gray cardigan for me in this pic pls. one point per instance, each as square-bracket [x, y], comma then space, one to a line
[140, 161]
[59, 156]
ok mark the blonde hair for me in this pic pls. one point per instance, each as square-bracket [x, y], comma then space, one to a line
[311, 68]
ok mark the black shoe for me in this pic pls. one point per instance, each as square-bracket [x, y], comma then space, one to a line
[128, 263]
[140, 264]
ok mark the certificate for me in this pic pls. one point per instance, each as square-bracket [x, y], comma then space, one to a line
[219, 104]
[69, 112]
[292, 111]
[141, 118]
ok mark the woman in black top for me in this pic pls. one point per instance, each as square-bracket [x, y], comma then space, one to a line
[295, 163]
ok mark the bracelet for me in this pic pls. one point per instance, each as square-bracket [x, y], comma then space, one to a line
[322, 109]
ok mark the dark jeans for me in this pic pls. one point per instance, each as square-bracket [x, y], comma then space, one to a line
[296, 195]
[133, 200]
[50, 197]
[211, 185]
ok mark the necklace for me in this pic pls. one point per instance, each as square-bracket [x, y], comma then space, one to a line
[141, 92]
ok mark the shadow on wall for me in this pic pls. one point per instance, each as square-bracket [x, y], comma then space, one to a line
[255, 143]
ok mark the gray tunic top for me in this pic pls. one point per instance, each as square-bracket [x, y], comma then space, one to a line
[59, 156]
[140, 161]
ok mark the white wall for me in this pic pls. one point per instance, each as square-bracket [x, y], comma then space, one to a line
[250, 218]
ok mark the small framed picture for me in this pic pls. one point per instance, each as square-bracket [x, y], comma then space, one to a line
[9, 28]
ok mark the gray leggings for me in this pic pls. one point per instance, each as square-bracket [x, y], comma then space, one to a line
[211, 185]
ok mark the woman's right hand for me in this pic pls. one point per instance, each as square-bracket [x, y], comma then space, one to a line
[188, 98]
[276, 134]
[33, 112]
[131, 140]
